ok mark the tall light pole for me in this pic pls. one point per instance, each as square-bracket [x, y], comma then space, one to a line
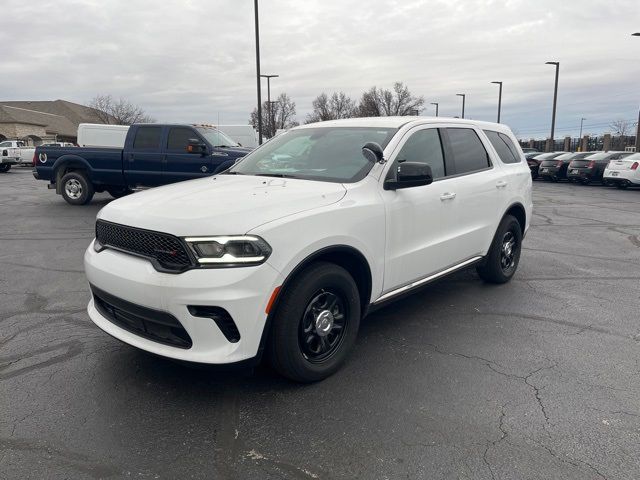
[270, 112]
[637, 34]
[499, 99]
[463, 95]
[580, 136]
[555, 103]
[255, 9]
[436, 108]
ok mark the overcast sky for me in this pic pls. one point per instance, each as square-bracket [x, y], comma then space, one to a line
[194, 60]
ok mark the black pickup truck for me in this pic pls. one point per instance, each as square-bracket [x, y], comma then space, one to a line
[153, 155]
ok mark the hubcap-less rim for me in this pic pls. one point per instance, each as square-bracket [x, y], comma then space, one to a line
[73, 189]
[508, 251]
[323, 325]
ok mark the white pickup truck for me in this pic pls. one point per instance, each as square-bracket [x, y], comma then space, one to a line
[14, 152]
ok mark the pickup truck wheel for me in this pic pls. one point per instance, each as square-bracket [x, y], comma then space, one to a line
[316, 323]
[501, 262]
[118, 192]
[76, 189]
[4, 168]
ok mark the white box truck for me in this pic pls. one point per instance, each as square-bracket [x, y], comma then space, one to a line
[101, 135]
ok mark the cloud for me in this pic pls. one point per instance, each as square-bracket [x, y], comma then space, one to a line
[195, 60]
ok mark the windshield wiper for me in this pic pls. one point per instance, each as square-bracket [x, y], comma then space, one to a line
[225, 146]
[278, 175]
[229, 172]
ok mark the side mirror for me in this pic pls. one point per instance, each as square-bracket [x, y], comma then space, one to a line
[196, 146]
[372, 151]
[410, 174]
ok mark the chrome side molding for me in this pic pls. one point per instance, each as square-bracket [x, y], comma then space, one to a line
[428, 279]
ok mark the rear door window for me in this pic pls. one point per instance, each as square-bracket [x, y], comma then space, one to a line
[147, 138]
[469, 154]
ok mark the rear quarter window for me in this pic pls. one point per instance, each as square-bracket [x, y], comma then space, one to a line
[503, 146]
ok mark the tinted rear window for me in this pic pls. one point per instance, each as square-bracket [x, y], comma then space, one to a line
[147, 138]
[468, 151]
[504, 146]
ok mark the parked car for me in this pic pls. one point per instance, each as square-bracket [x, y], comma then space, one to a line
[285, 252]
[556, 169]
[537, 158]
[530, 150]
[9, 156]
[17, 151]
[101, 135]
[153, 155]
[623, 172]
[591, 169]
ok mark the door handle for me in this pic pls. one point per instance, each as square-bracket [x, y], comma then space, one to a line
[447, 196]
[501, 184]
[131, 157]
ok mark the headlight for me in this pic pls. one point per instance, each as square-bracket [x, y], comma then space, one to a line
[229, 251]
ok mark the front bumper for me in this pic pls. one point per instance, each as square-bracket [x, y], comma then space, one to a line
[243, 292]
[624, 177]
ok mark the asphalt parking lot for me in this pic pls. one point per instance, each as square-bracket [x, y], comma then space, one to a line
[536, 379]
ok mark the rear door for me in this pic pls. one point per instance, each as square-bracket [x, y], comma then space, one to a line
[180, 164]
[144, 158]
[474, 197]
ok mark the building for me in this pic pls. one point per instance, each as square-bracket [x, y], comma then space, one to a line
[40, 122]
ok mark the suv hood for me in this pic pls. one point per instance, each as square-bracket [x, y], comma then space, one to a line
[220, 205]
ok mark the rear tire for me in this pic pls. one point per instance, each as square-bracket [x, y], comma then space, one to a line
[315, 324]
[5, 167]
[501, 262]
[76, 188]
[621, 186]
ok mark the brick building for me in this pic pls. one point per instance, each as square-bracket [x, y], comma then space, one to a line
[40, 122]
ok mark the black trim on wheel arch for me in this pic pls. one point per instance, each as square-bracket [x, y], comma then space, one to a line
[315, 256]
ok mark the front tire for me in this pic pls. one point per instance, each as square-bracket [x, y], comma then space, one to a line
[76, 188]
[5, 167]
[501, 262]
[316, 323]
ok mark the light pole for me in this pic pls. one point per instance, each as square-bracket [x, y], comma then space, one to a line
[499, 99]
[555, 103]
[580, 136]
[257, 27]
[463, 95]
[637, 34]
[270, 112]
[436, 108]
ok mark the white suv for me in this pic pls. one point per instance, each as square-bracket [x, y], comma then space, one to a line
[286, 251]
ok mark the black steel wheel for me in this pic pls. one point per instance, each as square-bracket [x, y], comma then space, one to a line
[5, 167]
[315, 323]
[503, 256]
[323, 325]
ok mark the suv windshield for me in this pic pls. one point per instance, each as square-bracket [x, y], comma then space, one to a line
[216, 138]
[330, 154]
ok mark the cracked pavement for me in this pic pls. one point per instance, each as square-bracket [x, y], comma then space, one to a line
[536, 379]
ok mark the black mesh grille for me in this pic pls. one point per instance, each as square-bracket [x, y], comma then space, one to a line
[167, 252]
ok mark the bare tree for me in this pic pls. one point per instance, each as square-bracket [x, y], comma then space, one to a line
[282, 115]
[380, 102]
[119, 112]
[621, 128]
[338, 105]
